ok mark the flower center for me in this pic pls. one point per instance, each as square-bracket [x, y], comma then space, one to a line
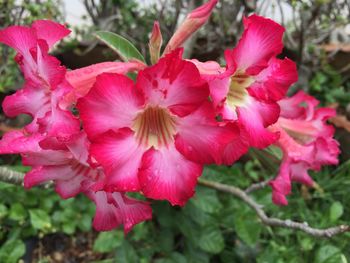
[237, 93]
[155, 127]
[301, 131]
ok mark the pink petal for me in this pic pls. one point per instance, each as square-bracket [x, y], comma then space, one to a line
[237, 147]
[117, 209]
[59, 123]
[20, 38]
[166, 175]
[46, 157]
[263, 115]
[49, 73]
[261, 40]
[19, 142]
[327, 151]
[173, 83]
[41, 174]
[281, 185]
[106, 217]
[112, 103]
[50, 31]
[131, 211]
[273, 82]
[200, 138]
[25, 101]
[120, 156]
[82, 79]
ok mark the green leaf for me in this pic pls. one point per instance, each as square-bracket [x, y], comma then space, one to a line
[125, 49]
[108, 241]
[126, 253]
[247, 227]
[206, 200]
[40, 219]
[336, 211]
[175, 257]
[17, 212]
[211, 240]
[328, 254]
[3, 211]
[12, 251]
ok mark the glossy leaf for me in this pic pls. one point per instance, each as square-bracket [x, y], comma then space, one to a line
[123, 47]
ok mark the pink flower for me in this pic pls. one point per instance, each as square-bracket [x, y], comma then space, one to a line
[45, 82]
[253, 81]
[154, 135]
[306, 142]
[66, 164]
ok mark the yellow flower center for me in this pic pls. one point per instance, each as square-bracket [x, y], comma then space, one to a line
[237, 94]
[155, 126]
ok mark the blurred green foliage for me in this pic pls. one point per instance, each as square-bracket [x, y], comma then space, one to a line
[212, 227]
[328, 86]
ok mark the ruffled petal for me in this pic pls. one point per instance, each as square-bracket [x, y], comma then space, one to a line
[131, 211]
[273, 82]
[173, 83]
[19, 142]
[116, 209]
[166, 175]
[112, 103]
[25, 101]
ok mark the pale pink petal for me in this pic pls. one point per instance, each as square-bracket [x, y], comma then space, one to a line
[112, 103]
[298, 172]
[166, 175]
[83, 79]
[173, 83]
[42, 174]
[70, 187]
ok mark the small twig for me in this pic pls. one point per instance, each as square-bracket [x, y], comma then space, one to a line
[10, 176]
[274, 222]
[257, 186]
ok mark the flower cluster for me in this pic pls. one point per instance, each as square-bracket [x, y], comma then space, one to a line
[153, 135]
